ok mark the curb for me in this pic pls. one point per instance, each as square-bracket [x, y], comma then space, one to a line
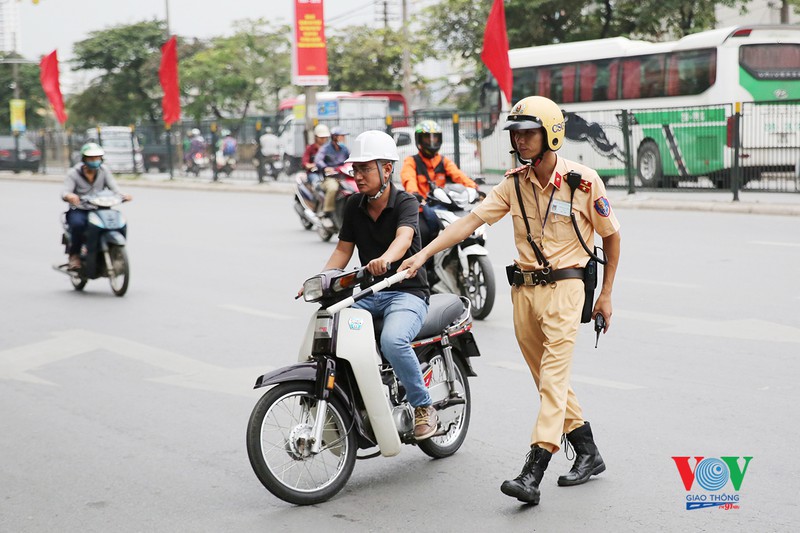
[274, 187]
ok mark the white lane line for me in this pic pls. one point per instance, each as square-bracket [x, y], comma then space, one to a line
[575, 377]
[256, 312]
[776, 243]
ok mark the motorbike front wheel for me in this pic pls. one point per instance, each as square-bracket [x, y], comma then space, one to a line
[278, 444]
[478, 285]
[454, 420]
[121, 270]
[78, 281]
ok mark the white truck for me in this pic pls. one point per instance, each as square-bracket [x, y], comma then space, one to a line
[353, 113]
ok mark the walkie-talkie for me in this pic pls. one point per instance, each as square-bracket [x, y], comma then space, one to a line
[599, 326]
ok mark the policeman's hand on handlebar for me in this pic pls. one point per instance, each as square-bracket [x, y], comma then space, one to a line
[413, 263]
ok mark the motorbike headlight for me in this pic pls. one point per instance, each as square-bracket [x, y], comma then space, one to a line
[95, 220]
[312, 289]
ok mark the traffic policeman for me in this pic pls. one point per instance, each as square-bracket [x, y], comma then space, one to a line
[547, 279]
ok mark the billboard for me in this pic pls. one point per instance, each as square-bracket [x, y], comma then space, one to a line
[309, 53]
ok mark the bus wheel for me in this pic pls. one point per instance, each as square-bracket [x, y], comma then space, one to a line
[648, 165]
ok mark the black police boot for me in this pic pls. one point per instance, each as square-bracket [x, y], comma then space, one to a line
[587, 458]
[525, 487]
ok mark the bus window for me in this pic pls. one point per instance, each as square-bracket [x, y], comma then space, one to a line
[631, 78]
[588, 80]
[568, 82]
[653, 76]
[524, 83]
[543, 82]
[771, 61]
[556, 84]
[691, 72]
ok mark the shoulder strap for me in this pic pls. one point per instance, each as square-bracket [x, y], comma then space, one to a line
[422, 170]
[440, 170]
[536, 251]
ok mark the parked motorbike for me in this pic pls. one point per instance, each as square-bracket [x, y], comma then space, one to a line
[465, 268]
[309, 201]
[104, 254]
[304, 434]
[197, 162]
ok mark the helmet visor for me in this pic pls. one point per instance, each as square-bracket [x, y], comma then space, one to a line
[522, 122]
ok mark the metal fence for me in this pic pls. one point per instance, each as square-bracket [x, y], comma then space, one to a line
[751, 147]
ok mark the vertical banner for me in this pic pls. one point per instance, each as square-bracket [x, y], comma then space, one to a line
[168, 75]
[17, 108]
[495, 49]
[309, 53]
[48, 76]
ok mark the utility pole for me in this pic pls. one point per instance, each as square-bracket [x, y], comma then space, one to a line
[784, 11]
[167, 16]
[406, 56]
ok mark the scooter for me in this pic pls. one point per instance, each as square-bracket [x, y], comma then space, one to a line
[465, 268]
[273, 165]
[226, 164]
[341, 396]
[197, 162]
[309, 200]
[104, 254]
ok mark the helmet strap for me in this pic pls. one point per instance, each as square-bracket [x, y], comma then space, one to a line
[384, 185]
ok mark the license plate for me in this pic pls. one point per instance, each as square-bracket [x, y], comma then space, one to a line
[23, 155]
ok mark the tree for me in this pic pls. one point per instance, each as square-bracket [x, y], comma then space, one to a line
[126, 89]
[369, 59]
[30, 90]
[235, 72]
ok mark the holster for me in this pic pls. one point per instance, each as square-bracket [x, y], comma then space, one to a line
[589, 285]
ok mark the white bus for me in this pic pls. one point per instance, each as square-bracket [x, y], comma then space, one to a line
[680, 96]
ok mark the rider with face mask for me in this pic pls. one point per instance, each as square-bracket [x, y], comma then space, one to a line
[86, 177]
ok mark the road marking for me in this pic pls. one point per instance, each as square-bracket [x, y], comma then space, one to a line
[18, 363]
[256, 312]
[745, 329]
[575, 377]
[776, 243]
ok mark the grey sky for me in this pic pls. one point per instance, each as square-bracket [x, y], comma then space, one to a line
[60, 23]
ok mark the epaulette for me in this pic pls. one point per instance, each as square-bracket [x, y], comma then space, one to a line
[515, 170]
[585, 186]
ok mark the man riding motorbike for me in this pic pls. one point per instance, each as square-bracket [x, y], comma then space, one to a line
[427, 170]
[330, 156]
[270, 150]
[86, 177]
[197, 145]
[321, 136]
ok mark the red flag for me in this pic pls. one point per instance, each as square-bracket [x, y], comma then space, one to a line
[48, 75]
[168, 74]
[495, 48]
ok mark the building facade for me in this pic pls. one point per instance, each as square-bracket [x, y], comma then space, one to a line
[10, 32]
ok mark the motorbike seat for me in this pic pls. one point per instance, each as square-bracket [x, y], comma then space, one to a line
[443, 310]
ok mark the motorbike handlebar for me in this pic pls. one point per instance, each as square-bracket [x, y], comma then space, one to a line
[372, 289]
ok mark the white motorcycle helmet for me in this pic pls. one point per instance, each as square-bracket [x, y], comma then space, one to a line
[322, 131]
[374, 145]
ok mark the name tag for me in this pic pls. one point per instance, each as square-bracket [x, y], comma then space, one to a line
[561, 207]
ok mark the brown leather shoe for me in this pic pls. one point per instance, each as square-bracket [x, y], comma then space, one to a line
[74, 262]
[426, 421]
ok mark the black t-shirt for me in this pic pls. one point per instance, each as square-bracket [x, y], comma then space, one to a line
[373, 237]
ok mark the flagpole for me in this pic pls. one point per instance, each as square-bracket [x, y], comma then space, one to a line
[166, 2]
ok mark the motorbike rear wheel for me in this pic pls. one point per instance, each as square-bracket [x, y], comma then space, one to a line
[454, 419]
[277, 445]
[479, 286]
[121, 270]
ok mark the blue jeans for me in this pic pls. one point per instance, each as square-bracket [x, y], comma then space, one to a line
[403, 315]
[78, 221]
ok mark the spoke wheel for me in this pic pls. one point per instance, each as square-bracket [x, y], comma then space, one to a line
[120, 275]
[478, 286]
[454, 419]
[278, 445]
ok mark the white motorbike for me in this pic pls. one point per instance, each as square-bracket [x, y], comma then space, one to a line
[342, 396]
[464, 269]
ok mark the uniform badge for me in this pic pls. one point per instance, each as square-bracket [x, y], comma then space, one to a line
[585, 186]
[557, 180]
[515, 170]
[602, 206]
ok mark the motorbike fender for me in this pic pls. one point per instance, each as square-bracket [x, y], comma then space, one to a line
[355, 342]
[473, 249]
[111, 237]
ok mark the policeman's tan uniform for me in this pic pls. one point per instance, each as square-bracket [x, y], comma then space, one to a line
[546, 318]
